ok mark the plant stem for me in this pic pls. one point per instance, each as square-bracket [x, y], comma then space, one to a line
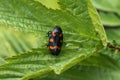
[113, 47]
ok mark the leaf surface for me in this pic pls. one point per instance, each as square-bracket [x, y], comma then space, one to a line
[32, 16]
[102, 66]
[12, 42]
[113, 34]
[110, 19]
[107, 5]
[83, 73]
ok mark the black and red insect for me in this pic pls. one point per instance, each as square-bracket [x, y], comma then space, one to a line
[55, 40]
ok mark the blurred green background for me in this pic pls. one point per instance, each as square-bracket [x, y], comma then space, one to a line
[109, 11]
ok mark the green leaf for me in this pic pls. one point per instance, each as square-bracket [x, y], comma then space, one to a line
[83, 35]
[109, 19]
[36, 62]
[83, 73]
[2, 61]
[12, 42]
[107, 5]
[53, 4]
[32, 16]
[102, 66]
[105, 56]
[113, 34]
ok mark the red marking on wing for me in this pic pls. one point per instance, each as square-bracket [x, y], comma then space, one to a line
[53, 34]
[52, 47]
[51, 40]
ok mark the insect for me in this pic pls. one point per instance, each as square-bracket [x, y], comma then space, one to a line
[55, 40]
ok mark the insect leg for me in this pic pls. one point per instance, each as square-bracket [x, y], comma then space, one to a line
[48, 33]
